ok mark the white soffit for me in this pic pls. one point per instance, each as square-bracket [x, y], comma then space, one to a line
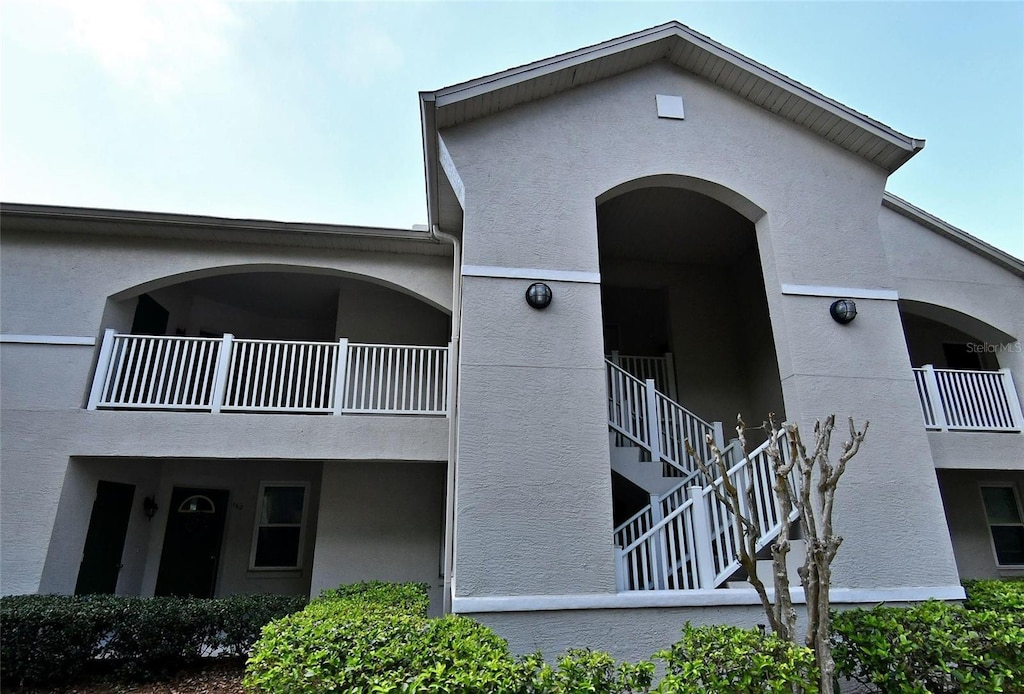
[694, 53]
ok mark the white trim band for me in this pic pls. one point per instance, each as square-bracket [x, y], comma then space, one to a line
[840, 292]
[49, 340]
[690, 598]
[527, 273]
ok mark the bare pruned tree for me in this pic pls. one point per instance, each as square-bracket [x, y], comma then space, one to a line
[802, 480]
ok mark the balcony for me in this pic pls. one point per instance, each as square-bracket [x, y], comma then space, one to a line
[142, 372]
[959, 400]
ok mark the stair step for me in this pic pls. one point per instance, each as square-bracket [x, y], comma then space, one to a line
[766, 571]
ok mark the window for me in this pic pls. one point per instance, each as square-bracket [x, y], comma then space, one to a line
[277, 537]
[1002, 510]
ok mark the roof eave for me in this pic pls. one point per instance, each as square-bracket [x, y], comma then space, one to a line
[175, 220]
[902, 147]
[955, 234]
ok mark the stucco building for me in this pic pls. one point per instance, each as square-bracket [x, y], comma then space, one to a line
[209, 406]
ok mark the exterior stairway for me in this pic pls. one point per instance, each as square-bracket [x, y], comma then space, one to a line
[686, 538]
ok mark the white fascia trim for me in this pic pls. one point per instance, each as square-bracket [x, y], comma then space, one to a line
[527, 273]
[49, 340]
[840, 292]
[691, 598]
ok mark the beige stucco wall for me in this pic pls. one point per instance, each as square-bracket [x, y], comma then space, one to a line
[968, 526]
[533, 426]
[58, 285]
[932, 269]
[381, 521]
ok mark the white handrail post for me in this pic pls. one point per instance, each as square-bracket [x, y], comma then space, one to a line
[931, 384]
[620, 570]
[653, 420]
[614, 357]
[702, 538]
[341, 376]
[719, 434]
[656, 515]
[670, 374]
[1006, 380]
[99, 381]
[220, 376]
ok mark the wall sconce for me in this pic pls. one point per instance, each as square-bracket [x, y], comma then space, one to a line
[149, 507]
[843, 310]
[538, 295]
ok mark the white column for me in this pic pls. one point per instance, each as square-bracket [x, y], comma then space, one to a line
[653, 421]
[1006, 381]
[341, 376]
[702, 538]
[220, 376]
[931, 383]
[99, 380]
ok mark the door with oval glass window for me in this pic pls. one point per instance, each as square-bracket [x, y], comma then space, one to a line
[192, 542]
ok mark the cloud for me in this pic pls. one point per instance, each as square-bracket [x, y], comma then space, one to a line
[158, 46]
[364, 52]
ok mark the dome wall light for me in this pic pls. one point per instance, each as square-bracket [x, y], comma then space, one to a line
[843, 310]
[538, 295]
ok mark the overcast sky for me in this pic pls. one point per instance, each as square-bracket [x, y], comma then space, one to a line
[308, 111]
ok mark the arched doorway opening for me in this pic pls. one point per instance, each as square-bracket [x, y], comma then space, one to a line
[683, 298]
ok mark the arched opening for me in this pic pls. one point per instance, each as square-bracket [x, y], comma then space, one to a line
[947, 339]
[265, 340]
[278, 305]
[957, 371]
[683, 297]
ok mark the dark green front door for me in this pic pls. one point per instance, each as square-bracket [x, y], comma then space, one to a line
[104, 541]
[195, 526]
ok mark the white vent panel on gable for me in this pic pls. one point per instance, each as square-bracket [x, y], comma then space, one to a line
[670, 106]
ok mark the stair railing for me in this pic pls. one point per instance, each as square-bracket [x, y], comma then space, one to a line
[695, 545]
[638, 412]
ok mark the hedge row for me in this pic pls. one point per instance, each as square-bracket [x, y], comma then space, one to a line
[53, 639]
[376, 638]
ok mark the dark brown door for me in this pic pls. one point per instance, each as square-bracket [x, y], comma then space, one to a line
[150, 317]
[195, 527]
[104, 541]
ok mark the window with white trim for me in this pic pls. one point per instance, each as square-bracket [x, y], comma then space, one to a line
[280, 526]
[1005, 522]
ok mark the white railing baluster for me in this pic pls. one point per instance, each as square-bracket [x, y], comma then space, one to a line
[968, 400]
[228, 374]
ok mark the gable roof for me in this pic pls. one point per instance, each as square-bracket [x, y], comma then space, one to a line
[689, 50]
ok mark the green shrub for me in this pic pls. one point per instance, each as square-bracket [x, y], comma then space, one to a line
[374, 637]
[53, 639]
[50, 638]
[590, 672]
[356, 645]
[411, 598]
[933, 647]
[733, 660]
[1004, 597]
[240, 618]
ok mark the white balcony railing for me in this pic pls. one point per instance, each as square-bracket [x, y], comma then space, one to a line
[968, 400]
[143, 372]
